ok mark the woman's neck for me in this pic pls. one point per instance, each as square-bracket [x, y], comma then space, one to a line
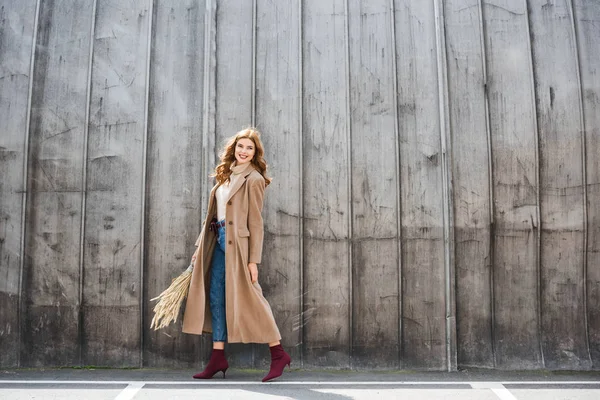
[238, 169]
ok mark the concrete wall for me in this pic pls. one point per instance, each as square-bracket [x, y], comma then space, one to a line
[436, 201]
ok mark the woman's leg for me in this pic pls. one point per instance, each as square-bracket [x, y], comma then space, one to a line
[217, 299]
[217, 362]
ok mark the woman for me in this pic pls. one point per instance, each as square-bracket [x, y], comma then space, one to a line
[225, 262]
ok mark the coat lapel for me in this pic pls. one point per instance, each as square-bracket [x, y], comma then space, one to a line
[239, 182]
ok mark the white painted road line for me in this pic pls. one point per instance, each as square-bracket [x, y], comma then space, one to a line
[205, 393]
[504, 393]
[496, 387]
[130, 391]
[408, 393]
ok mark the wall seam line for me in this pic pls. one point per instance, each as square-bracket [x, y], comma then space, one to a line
[24, 197]
[398, 179]
[253, 95]
[205, 117]
[349, 184]
[488, 129]
[209, 121]
[574, 32]
[447, 207]
[145, 177]
[301, 179]
[537, 183]
[205, 108]
[253, 107]
[84, 176]
[214, 151]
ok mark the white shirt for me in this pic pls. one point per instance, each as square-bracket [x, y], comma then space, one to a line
[222, 196]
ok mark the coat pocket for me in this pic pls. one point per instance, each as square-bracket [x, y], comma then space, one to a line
[243, 232]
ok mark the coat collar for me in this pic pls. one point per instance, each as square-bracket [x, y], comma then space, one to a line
[236, 185]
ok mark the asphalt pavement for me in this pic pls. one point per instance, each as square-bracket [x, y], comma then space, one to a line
[154, 384]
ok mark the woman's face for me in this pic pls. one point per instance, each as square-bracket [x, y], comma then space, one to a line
[244, 151]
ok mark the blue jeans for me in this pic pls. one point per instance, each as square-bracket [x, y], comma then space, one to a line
[217, 289]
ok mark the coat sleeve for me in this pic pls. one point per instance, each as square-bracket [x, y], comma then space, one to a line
[255, 220]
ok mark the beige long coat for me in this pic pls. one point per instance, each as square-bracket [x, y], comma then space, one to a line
[249, 316]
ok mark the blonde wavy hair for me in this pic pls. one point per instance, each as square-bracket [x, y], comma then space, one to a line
[227, 155]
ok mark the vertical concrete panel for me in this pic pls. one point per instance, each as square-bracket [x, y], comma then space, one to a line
[115, 188]
[235, 93]
[51, 277]
[514, 159]
[175, 167]
[561, 191]
[16, 42]
[587, 24]
[209, 104]
[234, 69]
[447, 188]
[470, 135]
[375, 231]
[326, 206]
[424, 325]
[277, 116]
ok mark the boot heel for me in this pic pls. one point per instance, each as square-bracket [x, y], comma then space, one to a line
[224, 370]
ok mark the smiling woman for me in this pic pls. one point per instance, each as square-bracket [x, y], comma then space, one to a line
[226, 260]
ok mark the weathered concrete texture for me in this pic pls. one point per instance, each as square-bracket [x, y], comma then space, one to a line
[9, 330]
[563, 230]
[51, 282]
[175, 165]
[515, 234]
[472, 198]
[277, 88]
[17, 21]
[235, 96]
[423, 300]
[327, 262]
[586, 17]
[375, 236]
[436, 192]
[115, 186]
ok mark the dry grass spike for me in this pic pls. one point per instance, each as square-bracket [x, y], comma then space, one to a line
[170, 300]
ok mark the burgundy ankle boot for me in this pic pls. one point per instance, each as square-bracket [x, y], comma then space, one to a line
[279, 359]
[217, 363]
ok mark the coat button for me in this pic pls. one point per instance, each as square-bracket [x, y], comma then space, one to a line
[230, 242]
[230, 223]
[229, 202]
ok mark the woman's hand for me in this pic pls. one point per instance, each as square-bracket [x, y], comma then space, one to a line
[253, 272]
